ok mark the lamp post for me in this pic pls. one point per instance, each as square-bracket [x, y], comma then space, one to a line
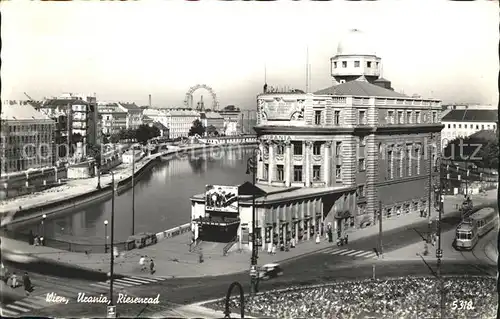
[252, 168]
[111, 271]
[439, 251]
[43, 229]
[106, 236]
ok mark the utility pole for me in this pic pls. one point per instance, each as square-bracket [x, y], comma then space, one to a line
[429, 220]
[252, 166]
[380, 227]
[439, 252]
[111, 271]
[133, 192]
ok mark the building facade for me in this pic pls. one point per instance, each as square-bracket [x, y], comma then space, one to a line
[113, 118]
[338, 156]
[461, 123]
[213, 119]
[27, 138]
[134, 114]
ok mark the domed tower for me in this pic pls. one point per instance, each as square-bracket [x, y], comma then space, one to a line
[355, 57]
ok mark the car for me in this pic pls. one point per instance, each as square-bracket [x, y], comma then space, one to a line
[269, 271]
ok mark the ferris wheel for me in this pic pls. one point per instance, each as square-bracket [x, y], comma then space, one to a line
[188, 101]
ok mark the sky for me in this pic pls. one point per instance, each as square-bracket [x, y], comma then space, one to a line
[124, 51]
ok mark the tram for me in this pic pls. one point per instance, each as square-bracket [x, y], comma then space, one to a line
[475, 226]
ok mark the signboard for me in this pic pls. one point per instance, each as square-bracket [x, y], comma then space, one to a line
[111, 310]
[245, 236]
[221, 198]
[278, 109]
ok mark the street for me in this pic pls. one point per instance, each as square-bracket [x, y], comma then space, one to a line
[316, 268]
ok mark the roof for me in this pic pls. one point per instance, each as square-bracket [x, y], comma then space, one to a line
[488, 135]
[482, 213]
[381, 79]
[359, 88]
[130, 106]
[211, 115]
[113, 107]
[21, 112]
[62, 102]
[160, 126]
[471, 116]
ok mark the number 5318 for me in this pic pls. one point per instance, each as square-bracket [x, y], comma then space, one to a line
[462, 305]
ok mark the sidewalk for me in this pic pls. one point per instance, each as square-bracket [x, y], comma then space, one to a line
[172, 256]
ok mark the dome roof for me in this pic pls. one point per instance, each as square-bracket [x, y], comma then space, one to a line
[355, 42]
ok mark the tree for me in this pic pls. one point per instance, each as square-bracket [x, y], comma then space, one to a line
[145, 132]
[197, 128]
[480, 149]
[212, 131]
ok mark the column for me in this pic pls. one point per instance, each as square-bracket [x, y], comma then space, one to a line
[260, 165]
[278, 225]
[270, 173]
[327, 153]
[307, 163]
[288, 163]
[308, 211]
[263, 228]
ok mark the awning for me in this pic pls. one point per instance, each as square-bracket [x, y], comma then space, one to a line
[217, 221]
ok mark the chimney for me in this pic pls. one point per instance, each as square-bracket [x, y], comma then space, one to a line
[150, 101]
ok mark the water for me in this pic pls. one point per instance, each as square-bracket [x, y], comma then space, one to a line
[161, 198]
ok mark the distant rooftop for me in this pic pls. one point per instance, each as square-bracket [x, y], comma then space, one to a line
[130, 106]
[62, 102]
[211, 115]
[359, 88]
[471, 115]
[21, 112]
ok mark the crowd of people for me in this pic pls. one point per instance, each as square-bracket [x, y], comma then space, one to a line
[409, 297]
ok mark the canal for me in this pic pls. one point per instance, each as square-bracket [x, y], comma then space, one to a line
[161, 198]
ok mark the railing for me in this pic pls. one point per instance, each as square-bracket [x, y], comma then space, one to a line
[229, 245]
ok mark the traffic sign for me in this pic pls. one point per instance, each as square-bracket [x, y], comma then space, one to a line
[111, 312]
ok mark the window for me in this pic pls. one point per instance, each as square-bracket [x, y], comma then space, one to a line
[356, 64]
[362, 117]
[449, 125]
[297, 173]
[344, 64]
[465, 125]
[389, 164]
[361, 191]
[418, 117]
[338, 150]
[408, 161]
[316, 173]
[376, 63]
[280, 173]
[408, 117]
[266, 171]
[317, 148]
[390, 117]
[368, 64]
[488, 126]
[361, 164]
[334, 65]
[459, 125]
[482, 126]
[400, 117]
[317, 117]
[336, 117]
[280, 149]
[477, 127]
[297, 148]
[338, 173]
[397, 163]
[434, 117]
[418, 155]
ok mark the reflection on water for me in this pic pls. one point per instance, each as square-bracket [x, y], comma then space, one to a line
[161, 198]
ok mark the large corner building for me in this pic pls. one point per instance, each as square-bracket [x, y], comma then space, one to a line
[335, 156]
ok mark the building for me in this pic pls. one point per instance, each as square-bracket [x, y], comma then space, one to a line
[231, 128]
[164, 131]
[178, 121]
[463, 122]
[77, 121]
[213, 119]
[114, 119]
[134, 114]
[27, 138]
[338, 156]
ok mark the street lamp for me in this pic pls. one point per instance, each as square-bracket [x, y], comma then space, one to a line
[43, 230]
[252, 169]
[439, 251]
[112, 239]
[106, 236]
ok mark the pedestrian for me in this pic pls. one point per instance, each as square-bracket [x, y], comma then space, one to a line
[273, 250]
[28, 288]
[152, 267]
[37, 240]
[142, 262]
[270, 249]
[31, 238]
[14, 282]
[317, 239]
[42, 243]
[292, 242]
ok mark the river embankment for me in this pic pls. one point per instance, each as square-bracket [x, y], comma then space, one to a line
[78, 194]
